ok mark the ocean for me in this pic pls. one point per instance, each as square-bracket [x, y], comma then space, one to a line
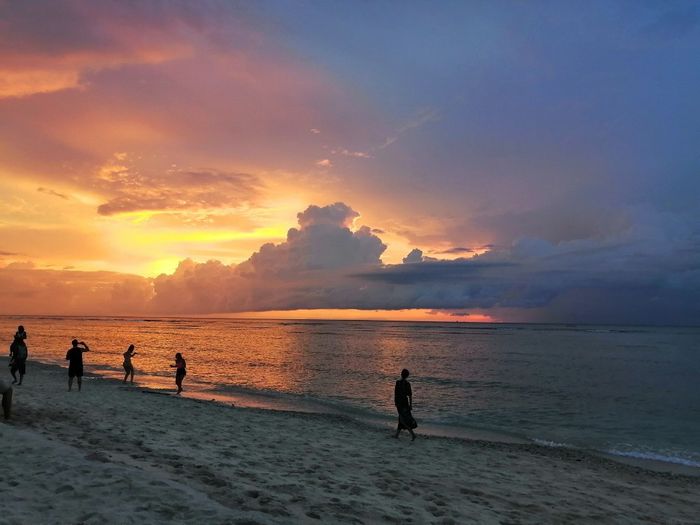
[625, 391]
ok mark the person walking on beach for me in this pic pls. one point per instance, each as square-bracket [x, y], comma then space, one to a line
[180, 372]
[128, 366]
[403, 399]
[18, 356]
[74, 356]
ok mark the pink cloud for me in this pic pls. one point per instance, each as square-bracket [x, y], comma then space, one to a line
[201, 88]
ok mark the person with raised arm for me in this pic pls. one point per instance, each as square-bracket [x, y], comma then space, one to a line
[74, 356]
[128, 366]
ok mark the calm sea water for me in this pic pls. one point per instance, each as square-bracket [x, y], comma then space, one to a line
[623, 390]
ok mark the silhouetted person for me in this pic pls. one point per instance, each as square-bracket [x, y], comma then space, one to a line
[128, 367]
[11, 364]
[180, 372]
[403, 399]
[18, 355]
[6, 392]
[21, 333]
[75, 363]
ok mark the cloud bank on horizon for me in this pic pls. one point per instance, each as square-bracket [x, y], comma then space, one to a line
[326, 264]
[535, 161]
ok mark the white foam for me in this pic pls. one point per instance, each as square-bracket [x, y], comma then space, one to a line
[653, 456]
[551, 444]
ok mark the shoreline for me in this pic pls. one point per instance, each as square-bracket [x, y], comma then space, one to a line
[113, 453]
[21, 317]
[285, 403]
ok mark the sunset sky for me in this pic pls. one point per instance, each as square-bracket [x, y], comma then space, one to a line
[507, 161]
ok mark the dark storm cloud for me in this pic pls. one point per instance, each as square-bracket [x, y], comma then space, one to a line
[453, 272]
[457, 249]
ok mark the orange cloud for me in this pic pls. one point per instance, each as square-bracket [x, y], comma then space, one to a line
[62, 292]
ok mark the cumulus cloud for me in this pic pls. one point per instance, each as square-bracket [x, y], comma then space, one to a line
[308, 268]
[338, 214]
[324, 264]
[415, 256]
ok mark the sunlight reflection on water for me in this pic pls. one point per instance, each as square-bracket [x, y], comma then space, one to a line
[595, 387]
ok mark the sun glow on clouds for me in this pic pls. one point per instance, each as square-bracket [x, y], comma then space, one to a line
[183, 143]
[374, 315]
[185, 129]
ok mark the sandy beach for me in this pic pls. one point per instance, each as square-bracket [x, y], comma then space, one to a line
[118, 454]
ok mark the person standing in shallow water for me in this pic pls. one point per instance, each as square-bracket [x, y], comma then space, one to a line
[128, 366]
[403, 399]
[74, 356]
[180, 372]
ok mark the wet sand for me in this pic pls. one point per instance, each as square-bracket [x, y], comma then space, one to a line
[116, 454]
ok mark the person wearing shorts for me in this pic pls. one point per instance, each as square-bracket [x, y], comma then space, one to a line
[128, 366]
[74, 356]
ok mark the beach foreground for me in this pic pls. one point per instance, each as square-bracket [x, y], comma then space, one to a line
[117, 454]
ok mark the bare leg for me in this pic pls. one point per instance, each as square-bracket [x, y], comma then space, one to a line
[132, 376]
[413, 434]
[178, 382]
[21, 376]
[125, 376]
[70, 383]
[14, 376]
[80, 383]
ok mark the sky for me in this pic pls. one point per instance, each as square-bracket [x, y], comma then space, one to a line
[466, 161]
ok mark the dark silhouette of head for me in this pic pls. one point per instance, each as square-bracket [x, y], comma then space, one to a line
[20, 328]
[178, 356]
[131, 348]
[404, 373]
[74, 342]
